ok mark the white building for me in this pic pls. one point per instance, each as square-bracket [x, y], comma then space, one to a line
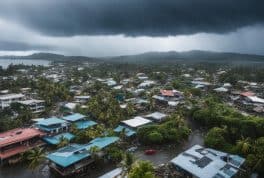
[156, 116]
[221, 90]
[147, 83]
[203, 162]
[115, 173]
[36, 106]
[6, 100]
[136, 122]
[81, 99]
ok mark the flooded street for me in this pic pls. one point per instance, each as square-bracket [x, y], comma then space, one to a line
[164, 155]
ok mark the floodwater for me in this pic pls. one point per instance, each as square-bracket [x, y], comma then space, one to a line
[6, 62]
[165, 154]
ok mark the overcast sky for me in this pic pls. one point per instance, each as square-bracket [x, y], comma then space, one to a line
[119, 27]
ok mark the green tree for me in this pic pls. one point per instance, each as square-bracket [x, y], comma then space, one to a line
[215, 138]
[142, 169]
[63, 142]
[126, 163]
[243, 145]
[35, 157]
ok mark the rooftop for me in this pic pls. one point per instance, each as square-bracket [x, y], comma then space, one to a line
[247, 93]
[129, 132]
[54, 140]
[115, 173]
[208, 163]
[73, 153]
[167, 92]
[18, 135]
[84, 124]
[32, 101]
[74, 117]
[221, 89]
[11, 96]
[136, 122]
[256, 99]
[156, 115]
[82, 97]
[51, 121]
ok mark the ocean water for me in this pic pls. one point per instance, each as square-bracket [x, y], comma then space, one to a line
[6, 62]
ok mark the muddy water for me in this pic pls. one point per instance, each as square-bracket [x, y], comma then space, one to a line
[165, 154]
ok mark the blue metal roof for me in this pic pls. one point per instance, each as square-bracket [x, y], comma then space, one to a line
[74, 117]
[69, 155]
[51, 121]
[129, 132]
[102, 142]
[73, 153]
[56, 139]
[84, 124]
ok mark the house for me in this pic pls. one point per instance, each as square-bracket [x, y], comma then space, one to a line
[156, 116]
[110, 82]
[247, 93]
[115, 173]
[202, 83]
[203, 162]
[79, 120]
[168, 97]
[255, 99]
[6, 100]
[81, 99]
[221, 90]
[146, 83]
[171, 95]
[127, 131]
[55, 139]
[70, 106]
[17, 141]
[136, 122]
[142, 76]
[75, 158]
[36, 106]
[118, 87]
[52, 125]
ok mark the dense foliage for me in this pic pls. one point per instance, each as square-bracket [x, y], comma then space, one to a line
[142, 169]
[105, 108]
[233, 132]
[172, 131]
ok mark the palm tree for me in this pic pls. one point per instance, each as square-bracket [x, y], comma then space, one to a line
[35, 157]
[94, 153]
[127, 163]
[244, 145]
[63, 142]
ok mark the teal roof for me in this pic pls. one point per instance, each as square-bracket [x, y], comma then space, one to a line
[84, 124]
[73, 153]
[102, 142]
[74, 117]
[54, 140]
[129, 132]
[69, 155]
[51, 121]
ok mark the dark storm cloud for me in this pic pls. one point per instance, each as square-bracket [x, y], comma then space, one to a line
[20, 46]
[133, 17]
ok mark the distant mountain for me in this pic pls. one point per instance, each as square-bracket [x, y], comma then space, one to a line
[51, 56]
[190, 56]
[154, 57]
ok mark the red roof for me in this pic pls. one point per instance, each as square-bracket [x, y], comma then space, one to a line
[167, 92]
[247, 93]
[19, 149]
[18, 135]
